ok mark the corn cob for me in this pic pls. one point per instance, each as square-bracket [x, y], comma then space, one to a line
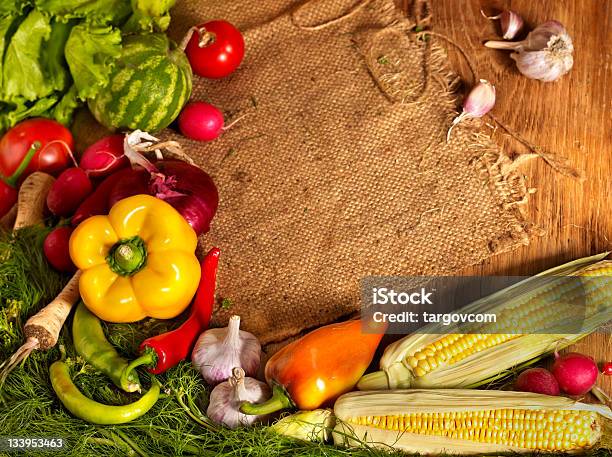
[467, 421]
[432, 359]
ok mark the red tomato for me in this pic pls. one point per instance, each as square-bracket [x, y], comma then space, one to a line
[53, 156]
[607, 369]
[215, 50]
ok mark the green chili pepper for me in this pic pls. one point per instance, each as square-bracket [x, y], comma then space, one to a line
[91, 411]
[91, 344]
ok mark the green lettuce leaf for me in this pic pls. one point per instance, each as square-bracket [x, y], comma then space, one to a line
[8, 25]
[12, 113]
[52, 58]
[23, 73]
[99, 12]
[13, 7]
[149, 16]
[63, 111]
[91, 52]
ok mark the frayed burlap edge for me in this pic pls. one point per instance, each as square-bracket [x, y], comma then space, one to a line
[496, 169]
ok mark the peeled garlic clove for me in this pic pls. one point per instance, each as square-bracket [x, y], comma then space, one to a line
[479, 102]
[510, 22]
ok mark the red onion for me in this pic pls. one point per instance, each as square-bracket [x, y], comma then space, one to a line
[190, 190]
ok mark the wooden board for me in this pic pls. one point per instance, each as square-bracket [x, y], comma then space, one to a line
[571, 117]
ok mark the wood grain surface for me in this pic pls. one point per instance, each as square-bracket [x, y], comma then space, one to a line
[571, 117]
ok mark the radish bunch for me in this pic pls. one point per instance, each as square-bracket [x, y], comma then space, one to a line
[571, 373]
[74, 186]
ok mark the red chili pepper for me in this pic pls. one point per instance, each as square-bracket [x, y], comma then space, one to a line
[165, 351]
[10, 185]
[97, 202]
[607, 369]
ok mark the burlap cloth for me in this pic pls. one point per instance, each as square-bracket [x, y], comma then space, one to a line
[340, 167]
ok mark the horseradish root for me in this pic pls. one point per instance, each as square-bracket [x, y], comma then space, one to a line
[32, 199]
[42, 330]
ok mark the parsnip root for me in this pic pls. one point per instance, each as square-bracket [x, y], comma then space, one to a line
[42, 330]
[32, 200]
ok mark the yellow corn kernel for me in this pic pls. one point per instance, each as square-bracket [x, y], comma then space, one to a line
[525, 429]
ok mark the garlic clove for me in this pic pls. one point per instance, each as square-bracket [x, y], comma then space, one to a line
[510, 22]
[479, 102]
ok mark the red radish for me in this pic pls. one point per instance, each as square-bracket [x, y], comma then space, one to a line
[56, 249]
[607, 369]
[68, 192]
[104, 156]
[537, 380]
[8, 197]
[576, 373]
[201, 121]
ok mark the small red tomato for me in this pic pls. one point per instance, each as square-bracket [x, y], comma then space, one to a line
[201, 121]
[607, 369]
[215, 50]
[56, 145]
[56, 249]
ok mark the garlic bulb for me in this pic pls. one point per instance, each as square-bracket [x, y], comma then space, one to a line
[479, 102]
[219, 350]
[546, 54]
[510, 21]
[226, 398]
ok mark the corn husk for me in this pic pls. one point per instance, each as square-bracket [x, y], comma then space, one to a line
[402, 402]
[313, 425]
[489, 364]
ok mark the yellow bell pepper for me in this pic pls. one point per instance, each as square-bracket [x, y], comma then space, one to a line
[137, 262]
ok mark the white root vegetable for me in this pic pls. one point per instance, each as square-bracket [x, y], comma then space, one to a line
[42, 330]
[32, 199]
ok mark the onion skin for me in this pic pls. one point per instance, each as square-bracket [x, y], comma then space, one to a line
[198, 202]
[576, 373]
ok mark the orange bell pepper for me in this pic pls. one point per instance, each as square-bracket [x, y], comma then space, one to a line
[319, 367]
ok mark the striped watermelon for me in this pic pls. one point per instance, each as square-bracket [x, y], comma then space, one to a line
[148, 88]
